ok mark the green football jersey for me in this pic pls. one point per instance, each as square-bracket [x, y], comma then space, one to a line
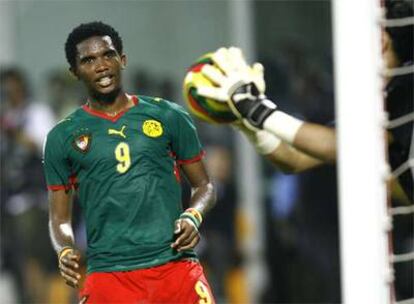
[125, 171]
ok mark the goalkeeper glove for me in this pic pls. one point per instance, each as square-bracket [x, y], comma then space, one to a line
[243, 88]
[264, 142]
[238, 84]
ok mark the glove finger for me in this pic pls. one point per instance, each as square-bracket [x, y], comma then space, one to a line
[257, 71]
[237, 60]
[221, 59]
[213, 74]
[213, 93]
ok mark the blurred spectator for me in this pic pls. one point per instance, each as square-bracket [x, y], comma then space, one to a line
[63, 93]
[301, 83]
[143, 83]
[219, 249]
[167, 89]
[301, 218]
[302, 238]
[26, 251]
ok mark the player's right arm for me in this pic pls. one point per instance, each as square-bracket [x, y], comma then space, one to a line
[61, 235]
[57, 171]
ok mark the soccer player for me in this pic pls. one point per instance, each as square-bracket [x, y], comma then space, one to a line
[123, 153]
[295, 145]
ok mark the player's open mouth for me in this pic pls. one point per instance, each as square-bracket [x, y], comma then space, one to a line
[105, 81]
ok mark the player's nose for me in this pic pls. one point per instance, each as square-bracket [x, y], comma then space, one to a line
[101, 65]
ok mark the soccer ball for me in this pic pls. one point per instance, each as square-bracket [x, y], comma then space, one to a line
[206, 109]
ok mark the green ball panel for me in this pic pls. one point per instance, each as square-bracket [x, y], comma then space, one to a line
[204, 103]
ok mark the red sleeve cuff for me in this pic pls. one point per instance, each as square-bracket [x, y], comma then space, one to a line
[58, 187]
[73, 183]
[191, 160]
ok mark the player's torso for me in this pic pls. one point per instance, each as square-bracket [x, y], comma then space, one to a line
[120, 152]
[126, 179]
[134, 145]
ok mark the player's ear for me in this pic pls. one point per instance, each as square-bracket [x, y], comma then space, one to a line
[123, 61]
[73, 72]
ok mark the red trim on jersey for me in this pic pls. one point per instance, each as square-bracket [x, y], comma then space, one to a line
[73, 183]
[104, 115]
[176, 168]
[177, 172]
[191, 160]
[58, 187]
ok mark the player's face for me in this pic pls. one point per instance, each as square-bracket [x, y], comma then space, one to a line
[99, 65]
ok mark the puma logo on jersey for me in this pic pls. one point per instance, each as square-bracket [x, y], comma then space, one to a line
[116, 132]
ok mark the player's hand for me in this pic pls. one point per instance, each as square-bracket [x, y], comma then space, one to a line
[69, 266]
[238, 84]
[186, 235]
[229, 72]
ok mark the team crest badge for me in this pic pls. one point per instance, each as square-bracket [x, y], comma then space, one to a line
[82, 143]
[152, 128]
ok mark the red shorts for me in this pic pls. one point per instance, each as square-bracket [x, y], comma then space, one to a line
[174, 282]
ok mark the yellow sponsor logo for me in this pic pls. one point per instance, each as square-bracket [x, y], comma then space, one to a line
[152, 128]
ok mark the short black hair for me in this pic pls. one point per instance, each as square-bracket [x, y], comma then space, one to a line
[88, 30]
[402, 36]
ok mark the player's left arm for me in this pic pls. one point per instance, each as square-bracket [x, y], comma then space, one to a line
[203, 198]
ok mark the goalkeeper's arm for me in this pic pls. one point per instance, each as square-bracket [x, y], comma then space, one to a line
[243, 88]
[282, 155]
[316, 140]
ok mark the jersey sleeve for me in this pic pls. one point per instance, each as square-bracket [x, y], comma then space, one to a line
[55, 164]
[185, 142]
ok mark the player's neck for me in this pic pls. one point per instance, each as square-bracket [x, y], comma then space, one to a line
[113, 106]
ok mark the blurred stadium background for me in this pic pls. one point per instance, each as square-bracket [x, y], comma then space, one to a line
[273, 238]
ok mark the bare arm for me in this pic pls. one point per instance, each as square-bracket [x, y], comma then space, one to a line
[283, 155]
[60, 220]
[61, 235]
[290, 160]
[203, 198]
[317, 141]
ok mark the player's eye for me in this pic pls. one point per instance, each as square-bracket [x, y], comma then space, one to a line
[87, 60]
[110, 54]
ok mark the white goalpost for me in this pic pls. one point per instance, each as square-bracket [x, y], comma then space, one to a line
[364, 223]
